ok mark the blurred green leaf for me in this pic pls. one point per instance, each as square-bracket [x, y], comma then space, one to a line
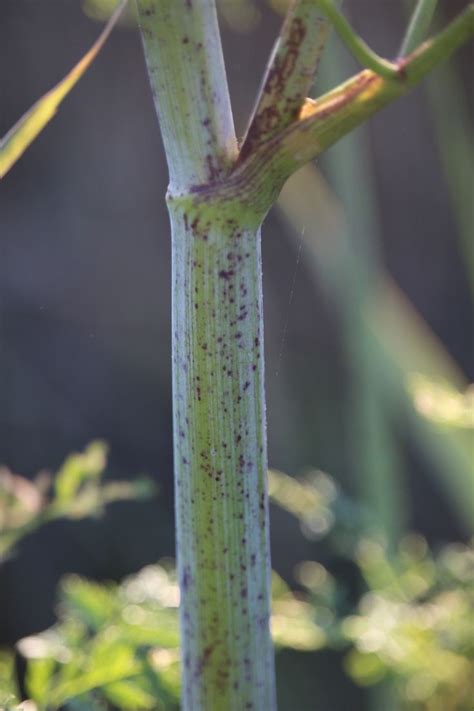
[78, 469]
[130, 695]
[39, 678]
[24, 132]
[415, 625]
[397, 343]
[91, 602]
[367, 669]
[78, 492]
[8, 690]
[107, 664]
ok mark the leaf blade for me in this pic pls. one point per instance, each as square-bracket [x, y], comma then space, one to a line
[30, 125]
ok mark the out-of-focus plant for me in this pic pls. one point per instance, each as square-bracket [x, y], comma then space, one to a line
[114, 646]
[441, 403]
[413, 625]
[378, 316]
[117, 645]
[322, 509]
[76, 491]
[8, 692]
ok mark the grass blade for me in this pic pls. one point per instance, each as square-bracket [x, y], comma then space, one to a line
[30, 125]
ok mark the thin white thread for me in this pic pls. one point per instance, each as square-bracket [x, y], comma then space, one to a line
[292, 291]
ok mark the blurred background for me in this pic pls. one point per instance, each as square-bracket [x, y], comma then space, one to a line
[368, 284]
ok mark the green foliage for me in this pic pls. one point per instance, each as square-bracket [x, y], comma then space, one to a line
[413, 624]
[117, 645]
[114, 645]
[76, 491]
[8, 697]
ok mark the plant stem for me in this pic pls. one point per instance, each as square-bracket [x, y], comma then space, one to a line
[290, 73]
[220, 459]
[361, 51]
[323, 122]
[223, 551]
[418, 26]
[188, 81]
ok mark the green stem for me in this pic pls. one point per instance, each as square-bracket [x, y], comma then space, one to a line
[355, 101]
[223, 551]
[356, 45]
[220, 458]
[418, 26]
[188, 81]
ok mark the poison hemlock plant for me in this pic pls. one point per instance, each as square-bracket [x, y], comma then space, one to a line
[218, 197]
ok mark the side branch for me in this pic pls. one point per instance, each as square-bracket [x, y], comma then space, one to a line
[323, 122]
[289, 75]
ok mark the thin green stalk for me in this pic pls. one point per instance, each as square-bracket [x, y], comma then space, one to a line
[369, 413]
[356, 45]
[223, 552]
[455, 146]
[418, 26]
[393, 360]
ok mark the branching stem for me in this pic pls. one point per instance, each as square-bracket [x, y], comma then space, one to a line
[323, 122]
[220, 462]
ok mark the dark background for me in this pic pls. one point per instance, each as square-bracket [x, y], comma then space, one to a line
[85, 302]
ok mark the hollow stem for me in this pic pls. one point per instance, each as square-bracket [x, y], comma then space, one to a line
[220, 458]
[223, 551]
